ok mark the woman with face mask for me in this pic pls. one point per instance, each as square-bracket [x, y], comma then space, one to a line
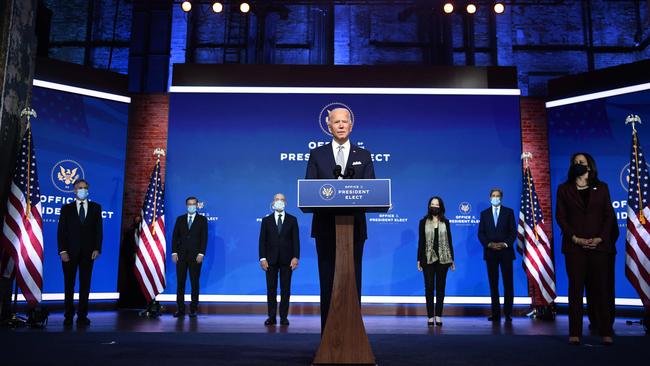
[584, 213]
[435, 257]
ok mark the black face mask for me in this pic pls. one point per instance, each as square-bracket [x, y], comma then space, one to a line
[435, 211]
[579, 169]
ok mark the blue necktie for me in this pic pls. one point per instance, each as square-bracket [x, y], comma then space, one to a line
[189, 222]
[496, 216]
[279, 223]
[82, 212]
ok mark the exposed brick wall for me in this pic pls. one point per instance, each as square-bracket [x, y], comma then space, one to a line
[534, 138]
[148, 117]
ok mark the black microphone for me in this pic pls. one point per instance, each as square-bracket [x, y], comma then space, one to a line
[349, 173]
[337, 171]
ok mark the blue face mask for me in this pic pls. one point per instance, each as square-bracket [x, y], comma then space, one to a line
[82, 193]
[191, 209]
[495, 201]
[278, 205]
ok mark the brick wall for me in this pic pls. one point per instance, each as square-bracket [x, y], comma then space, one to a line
[148, 116]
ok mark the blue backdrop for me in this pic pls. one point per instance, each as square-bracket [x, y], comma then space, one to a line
[77, 136]
[598, 128]
[235, 151]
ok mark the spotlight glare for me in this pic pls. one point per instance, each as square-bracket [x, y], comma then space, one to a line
[244, 7]
[499, 8]
[186, 6]
[448, 8]
[217, 7]
[471, 8]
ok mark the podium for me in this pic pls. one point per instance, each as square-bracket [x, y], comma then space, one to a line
[344, 339]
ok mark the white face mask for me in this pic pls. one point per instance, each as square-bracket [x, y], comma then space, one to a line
[278, 205]
[495, 201]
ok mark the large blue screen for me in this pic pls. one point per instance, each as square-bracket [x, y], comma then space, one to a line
[79, 136]
[598, 128]
[234, 151]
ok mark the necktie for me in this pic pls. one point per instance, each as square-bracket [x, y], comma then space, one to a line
[82, 212]
[496, 216]
[340, 158]
[279, 223]
[189, 221]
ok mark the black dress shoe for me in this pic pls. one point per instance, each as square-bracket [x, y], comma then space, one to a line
[439, 324]
[508, 319]
[67, 321]
[83, 320]
[179, 314]
[284, 321]
[192, 314]
[270, 321]
[494, 319]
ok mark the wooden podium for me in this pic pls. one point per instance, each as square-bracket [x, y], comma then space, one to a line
[344, 339]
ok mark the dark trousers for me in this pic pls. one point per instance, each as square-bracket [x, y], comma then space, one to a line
[272, 289]
[593, 267]
[182, 266]
[84, 265]
[612, 295]
[435, 279]
[493, 265]
[5, 297]
[326, 249]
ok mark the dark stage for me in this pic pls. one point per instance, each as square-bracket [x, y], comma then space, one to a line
[125, 339]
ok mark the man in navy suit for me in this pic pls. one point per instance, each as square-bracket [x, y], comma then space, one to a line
[189, 242]
[279, 253]
[497, 233]
[79, 237]
[354, 163]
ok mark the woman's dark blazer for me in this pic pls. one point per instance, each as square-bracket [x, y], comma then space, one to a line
[596, 220]
[422, 241]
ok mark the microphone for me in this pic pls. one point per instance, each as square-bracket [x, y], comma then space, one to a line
[337, 171]
[349, 173]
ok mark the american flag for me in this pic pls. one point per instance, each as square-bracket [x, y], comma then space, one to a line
[150, 258]
[637, 248]
[22, 230]
[534, 244]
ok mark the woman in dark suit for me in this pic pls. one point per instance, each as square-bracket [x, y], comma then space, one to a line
[435, 257]
[585, 215]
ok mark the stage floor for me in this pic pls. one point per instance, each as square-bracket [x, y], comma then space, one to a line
[129, 321]
[121, 337]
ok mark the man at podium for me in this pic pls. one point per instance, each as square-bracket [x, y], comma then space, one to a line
[339, 159]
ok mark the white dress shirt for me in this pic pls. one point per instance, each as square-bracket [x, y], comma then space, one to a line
[346, 151]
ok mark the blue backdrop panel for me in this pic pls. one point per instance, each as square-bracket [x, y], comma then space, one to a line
[235, 151]
[78, 136]
[598, 128]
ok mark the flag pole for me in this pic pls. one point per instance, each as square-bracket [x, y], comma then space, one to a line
[633, 119]
[527, 156]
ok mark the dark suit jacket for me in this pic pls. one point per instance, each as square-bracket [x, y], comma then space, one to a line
[504, 232]
[596, 220]
[77, 238]
[188, 243]
[279, 248]
[422, 241]
[321, 166]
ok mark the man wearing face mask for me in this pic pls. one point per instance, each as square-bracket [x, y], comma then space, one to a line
[189, 242]
[279, 253]
[79, 237]
[497, 232]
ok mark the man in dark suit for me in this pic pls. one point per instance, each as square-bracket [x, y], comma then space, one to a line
[189, 241]
[79, 235]
[279, 252]
[497, 233]
[354, 163]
